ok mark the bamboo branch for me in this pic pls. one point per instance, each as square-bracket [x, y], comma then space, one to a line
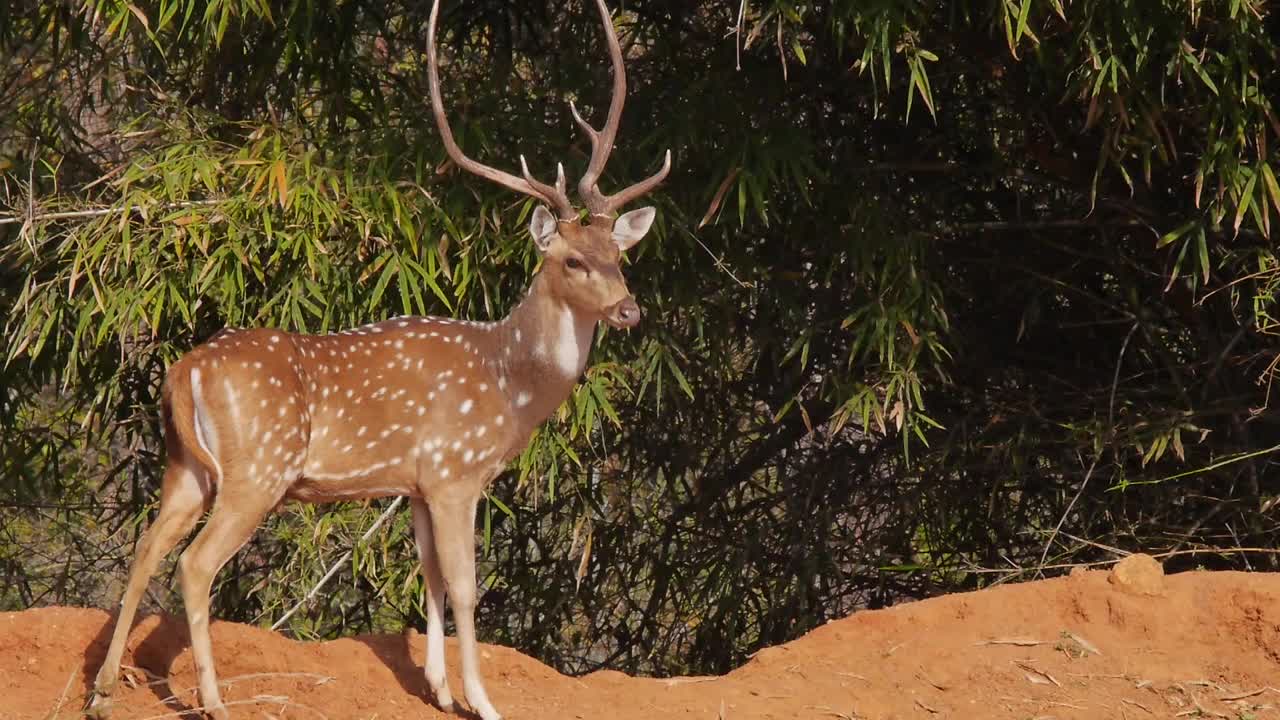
[98, 212]
[333, 569]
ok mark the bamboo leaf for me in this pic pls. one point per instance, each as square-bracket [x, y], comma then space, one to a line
[1246, 199]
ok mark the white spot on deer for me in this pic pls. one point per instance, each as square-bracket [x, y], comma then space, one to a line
[437, 458]
[480, 431]
[361, 431]
[523, 399]
[468, 455]
[500, 420]
[465, 407]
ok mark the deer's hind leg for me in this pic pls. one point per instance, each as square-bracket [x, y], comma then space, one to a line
[185, 494]
[243, 501]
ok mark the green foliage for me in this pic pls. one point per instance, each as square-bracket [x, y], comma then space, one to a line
[882, 347]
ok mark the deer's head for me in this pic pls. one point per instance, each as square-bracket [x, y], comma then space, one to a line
[580, 260]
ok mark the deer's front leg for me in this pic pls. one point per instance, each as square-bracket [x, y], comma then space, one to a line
[435, 587]
[453, 522]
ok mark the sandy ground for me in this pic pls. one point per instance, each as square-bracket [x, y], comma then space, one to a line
[1087, 646]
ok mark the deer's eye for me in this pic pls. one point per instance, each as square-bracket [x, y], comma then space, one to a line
[574, 263]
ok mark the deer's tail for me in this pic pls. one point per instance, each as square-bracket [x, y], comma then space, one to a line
[187, 427]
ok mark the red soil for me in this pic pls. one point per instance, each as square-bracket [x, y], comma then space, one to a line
[1207, 645]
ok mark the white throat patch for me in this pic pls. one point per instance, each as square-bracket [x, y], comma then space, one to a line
[572, 343]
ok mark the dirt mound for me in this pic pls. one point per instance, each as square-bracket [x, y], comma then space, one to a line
[1205, 645]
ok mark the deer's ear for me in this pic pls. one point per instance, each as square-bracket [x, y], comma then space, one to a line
[542, 227]
[630, 227]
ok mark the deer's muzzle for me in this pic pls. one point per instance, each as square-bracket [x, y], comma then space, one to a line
[625, 314]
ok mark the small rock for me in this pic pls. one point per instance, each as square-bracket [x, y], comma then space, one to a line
[1139, 574]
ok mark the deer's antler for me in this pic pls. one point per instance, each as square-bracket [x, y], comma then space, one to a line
[555, 196]
[602, 140]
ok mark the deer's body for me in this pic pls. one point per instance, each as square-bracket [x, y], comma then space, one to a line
[424, 407]
[419, 403]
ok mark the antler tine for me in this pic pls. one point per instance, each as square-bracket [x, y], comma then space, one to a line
[526, 185]
[602, 140]
[558, 196]
[631, 192]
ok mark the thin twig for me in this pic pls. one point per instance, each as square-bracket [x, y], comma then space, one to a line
[1020, 642]
[256, 700]
[1111, 408]
[1115, 378]
[63, 697]
[1070, 506]
[1093, 543]
[333, 570]
[31, 196]
[720, 263]
[737, 39]
[1243, 695]
[1101, 563]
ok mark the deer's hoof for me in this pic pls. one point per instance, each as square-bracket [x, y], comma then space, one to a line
[98, 707]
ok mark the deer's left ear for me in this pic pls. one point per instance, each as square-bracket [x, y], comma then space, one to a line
[631, 226]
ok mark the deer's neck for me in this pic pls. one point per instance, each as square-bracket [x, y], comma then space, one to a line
[543, 348]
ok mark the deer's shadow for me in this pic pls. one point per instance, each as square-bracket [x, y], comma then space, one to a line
[396, 652]
[166, 637]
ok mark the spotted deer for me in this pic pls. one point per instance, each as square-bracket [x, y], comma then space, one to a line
[425, 407]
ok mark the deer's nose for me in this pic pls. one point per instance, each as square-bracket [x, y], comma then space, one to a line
[625, 314]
